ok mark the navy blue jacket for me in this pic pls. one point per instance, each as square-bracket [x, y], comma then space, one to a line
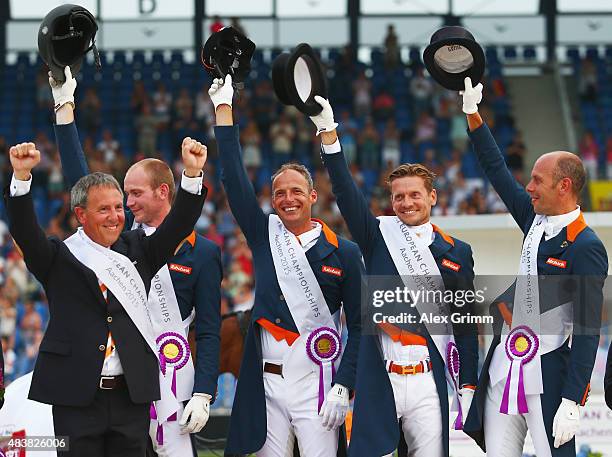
[196, 286]
[375, 430]
[248, 422]
[575, 251]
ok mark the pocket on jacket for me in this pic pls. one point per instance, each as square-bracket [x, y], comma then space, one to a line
[55, 347]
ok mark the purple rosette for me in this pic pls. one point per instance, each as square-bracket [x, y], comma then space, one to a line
[521, 347]
[173, 352]
[323, 347]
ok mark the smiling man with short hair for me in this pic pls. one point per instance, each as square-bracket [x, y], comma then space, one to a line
[98, 362]
[403, 369]
[550, 322]
[292, 384]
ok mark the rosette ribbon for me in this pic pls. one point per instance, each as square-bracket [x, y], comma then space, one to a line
[453, 364]
[521, 347]
[323, 346]
[173, 354]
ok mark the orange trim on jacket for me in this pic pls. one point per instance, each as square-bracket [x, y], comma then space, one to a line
[577, 226]
[330, 236]
[444, 236]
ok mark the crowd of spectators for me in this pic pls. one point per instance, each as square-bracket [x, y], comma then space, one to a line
[381, 125]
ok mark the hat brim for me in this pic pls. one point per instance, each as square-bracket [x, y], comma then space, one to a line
[298, 77]
[455, 81]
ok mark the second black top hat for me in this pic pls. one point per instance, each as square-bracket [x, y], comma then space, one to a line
[452, 55]
[297, 77]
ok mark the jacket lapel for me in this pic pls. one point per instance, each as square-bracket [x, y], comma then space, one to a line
[441, 243]
[564, 239]
[90, 279]
[325, 245]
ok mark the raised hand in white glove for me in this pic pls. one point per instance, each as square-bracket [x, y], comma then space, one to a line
[325, 119]
[221, 93]
[63, 92]
[196, 413]
[472, 96]
[466, 395]
[335, 407]
[566, 421]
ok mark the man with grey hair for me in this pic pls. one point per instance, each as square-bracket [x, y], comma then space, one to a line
[97, 364]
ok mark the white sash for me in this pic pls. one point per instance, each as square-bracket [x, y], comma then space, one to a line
[526, 312]
[119, 275]
[166, 317]
[303, 296]
[526, 309]
[419, 271]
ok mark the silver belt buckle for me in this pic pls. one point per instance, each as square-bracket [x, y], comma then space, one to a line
[102, 378]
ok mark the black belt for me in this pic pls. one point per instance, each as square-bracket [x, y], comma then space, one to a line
[111, 382]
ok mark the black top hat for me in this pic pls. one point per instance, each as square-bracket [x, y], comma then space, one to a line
[453, 55]
[64, 37]
[228, 51]
[297, 77]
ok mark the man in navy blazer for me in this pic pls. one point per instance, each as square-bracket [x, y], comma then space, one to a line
[274, 404]
[572, 265]
[195, 269]
[413, 388]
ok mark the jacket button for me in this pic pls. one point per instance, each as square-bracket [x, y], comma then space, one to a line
[277, 320]
[109, 319]
[282, 298]
[102, 348]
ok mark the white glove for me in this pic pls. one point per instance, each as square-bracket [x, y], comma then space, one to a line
[199, 409]
[325, 119]
[63, 92]
[566, 421]
[472, 96]
[335, 407]
[466, 395]
[221, 93]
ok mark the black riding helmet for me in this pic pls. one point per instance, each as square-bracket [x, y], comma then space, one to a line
[228, 52]
[65, 35]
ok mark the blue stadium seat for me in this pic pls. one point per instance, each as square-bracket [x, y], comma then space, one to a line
[510, 52]
[529, 53]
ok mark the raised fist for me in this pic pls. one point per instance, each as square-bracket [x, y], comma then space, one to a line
[24, 157]
[194, 156]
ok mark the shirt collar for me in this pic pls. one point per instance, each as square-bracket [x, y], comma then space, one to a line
[309, 238]
[554, 224]
[424, 231]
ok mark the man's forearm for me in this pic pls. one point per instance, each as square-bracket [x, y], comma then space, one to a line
[22, 175]
[474, 121]
[329, 137]
[224, 115]
[64, 115]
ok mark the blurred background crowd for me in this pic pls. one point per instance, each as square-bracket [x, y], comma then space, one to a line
[142, 104]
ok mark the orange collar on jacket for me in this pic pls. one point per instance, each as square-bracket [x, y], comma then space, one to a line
[575, 227]
[330, 236]
[444, 236]
[191, 239]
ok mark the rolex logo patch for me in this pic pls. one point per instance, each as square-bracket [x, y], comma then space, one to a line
[180, 268]
[556, 262]
[331, 270]
[452, 265]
